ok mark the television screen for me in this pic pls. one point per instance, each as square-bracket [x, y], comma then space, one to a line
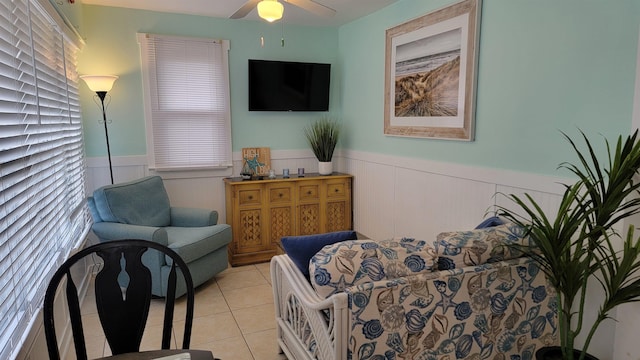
[288, 86]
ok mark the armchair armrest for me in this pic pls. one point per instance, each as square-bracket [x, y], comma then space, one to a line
[107, 231]
[192, 217]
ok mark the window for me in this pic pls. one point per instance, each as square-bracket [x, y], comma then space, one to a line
[42, 209]
[186, 91]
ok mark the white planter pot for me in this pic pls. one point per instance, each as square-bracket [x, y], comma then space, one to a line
[325, 168]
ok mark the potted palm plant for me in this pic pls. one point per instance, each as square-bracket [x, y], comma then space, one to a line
[323, 138]
[580, 242]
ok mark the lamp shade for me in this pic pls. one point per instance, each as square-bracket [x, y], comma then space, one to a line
[270, 10]
[99, 82]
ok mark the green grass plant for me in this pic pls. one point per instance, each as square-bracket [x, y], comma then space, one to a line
[322, 136]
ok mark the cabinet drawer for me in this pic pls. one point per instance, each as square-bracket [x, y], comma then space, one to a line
[249, 197]
[309, 192]
[280, 194]
[336, 190]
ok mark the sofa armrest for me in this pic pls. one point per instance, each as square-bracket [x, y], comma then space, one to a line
[309, 326]
[108, 231]
[192, 217]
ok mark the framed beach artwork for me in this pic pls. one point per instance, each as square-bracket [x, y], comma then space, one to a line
[430, 74]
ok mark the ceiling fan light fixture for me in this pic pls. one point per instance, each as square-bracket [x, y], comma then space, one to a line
[270, 10]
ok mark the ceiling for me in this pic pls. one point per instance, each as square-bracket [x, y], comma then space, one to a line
[346, 10]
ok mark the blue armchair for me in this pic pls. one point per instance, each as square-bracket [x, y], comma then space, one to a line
[140, 209]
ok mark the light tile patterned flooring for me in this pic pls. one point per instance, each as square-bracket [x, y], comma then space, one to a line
[234, 318]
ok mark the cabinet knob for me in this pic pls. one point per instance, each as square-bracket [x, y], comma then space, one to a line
[250, 197]
[309, 192]
[280, 195]
[336, 190]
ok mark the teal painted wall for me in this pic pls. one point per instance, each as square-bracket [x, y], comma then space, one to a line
[544, 66]
[112, 48]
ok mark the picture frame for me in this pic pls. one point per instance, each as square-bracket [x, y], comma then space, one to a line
[430, 74]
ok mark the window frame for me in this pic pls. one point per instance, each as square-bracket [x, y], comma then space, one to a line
[224, 169]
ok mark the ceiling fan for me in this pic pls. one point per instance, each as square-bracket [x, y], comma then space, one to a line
[307, 5]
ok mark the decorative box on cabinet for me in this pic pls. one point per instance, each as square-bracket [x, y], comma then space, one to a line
[261, 212]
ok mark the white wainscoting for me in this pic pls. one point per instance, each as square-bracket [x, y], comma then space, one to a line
[199, 189]
[418, 198]
[392, 196]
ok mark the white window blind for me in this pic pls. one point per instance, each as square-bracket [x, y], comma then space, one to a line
[42, 208]
[186, 86]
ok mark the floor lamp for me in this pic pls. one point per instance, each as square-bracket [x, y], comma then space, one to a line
[102, 84]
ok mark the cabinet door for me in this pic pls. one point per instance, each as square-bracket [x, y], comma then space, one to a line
[337, 209]
[308, 208]
[250, 223]
[281, 211]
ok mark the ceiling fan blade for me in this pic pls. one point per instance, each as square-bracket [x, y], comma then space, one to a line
[245, 9]
[313, 7]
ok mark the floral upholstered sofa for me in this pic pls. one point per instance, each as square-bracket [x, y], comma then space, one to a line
[463, 296]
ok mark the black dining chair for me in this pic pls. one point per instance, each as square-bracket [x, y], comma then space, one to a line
[123, 297]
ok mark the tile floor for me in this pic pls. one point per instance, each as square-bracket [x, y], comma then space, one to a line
[234, 318]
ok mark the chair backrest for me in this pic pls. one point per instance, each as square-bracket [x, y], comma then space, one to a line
[139, 202]
[123, 297]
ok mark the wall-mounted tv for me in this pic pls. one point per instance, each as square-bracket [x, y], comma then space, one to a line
[288, 86]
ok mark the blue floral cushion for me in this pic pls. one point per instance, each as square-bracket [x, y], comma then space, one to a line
[349, 263]
[478, 246]
[301, 248]
[503, 310]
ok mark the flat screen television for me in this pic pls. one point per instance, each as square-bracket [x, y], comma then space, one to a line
[288, 86]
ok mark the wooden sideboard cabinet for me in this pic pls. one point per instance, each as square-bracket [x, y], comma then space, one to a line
[261, 212]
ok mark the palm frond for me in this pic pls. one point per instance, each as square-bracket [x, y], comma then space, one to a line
[580, 242]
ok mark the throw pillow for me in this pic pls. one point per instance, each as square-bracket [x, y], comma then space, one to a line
[490, 222]
[341, 265]
[301, 248]
[476, 247]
